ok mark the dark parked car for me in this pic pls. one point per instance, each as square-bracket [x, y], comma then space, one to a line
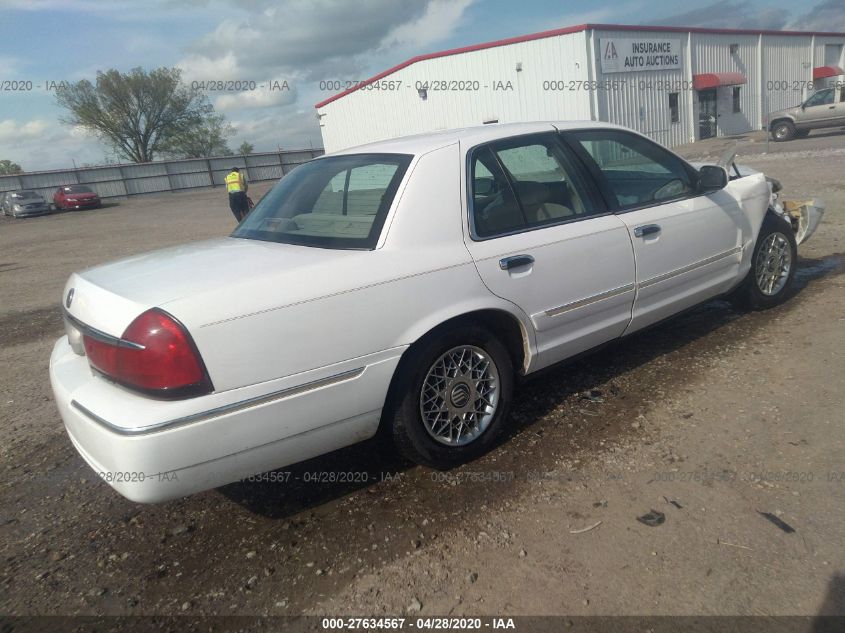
[21, 204]
[76, 197]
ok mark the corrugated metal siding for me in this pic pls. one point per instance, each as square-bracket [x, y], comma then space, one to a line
[111, 181]
[778, 75]
[711, 54]
[820, 58]
[787, 71]
[824, 56]
[640, 100]
[368, 114]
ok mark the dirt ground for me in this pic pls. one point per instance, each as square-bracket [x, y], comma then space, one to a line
[714, 419]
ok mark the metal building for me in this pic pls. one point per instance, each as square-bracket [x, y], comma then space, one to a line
[675, 84]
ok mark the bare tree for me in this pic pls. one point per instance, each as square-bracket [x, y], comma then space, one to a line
[138, 113]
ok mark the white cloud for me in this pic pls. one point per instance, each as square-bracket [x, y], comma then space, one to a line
[603, 15]
[258, 98]
[729, 14]
[38, 144]
[828, 15]
[302, 40]
[197, 67]
[305, 42]
[439, 21]
[294, 129]
[12, 131]
[9, 66]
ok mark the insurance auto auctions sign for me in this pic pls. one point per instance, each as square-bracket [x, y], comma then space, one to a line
[624, 55]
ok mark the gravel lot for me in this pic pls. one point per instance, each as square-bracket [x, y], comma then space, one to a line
[710, 419]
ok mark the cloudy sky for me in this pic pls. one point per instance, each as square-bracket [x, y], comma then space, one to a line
[300, 42]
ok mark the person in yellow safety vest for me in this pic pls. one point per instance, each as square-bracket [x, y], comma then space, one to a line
[236, 187]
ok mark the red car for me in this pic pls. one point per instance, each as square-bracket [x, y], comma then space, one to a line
[76, 197]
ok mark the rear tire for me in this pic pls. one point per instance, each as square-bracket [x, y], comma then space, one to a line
[769, 282]
[453, 397]
[783, 131]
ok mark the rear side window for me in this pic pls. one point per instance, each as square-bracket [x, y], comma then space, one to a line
[335, 202]
[494, 206]
[524, 184]
[637, 172]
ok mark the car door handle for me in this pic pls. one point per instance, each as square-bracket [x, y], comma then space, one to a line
[515, 261]
[646, 229]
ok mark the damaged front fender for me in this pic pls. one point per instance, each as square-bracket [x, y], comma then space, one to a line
[803, 215]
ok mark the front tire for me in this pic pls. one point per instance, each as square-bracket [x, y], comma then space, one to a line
[454, 395]
[769, 282]
[783, 131]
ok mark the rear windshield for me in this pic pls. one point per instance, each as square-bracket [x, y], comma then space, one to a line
[76, 189]
[334, 202]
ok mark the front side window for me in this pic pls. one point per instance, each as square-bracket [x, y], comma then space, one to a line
[636, 170]
[822, 97]
[520, 185]
[334, 202]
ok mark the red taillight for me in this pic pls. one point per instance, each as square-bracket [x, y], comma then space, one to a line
[155, 355]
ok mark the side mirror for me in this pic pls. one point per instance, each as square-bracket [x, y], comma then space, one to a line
[712, 178]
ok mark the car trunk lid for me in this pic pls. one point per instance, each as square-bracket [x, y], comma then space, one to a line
[110, 296]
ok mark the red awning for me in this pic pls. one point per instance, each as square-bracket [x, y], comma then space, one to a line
[827, 71]
[714, 80]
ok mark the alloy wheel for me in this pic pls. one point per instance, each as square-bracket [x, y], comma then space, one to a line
[459, 395]
[774, 261]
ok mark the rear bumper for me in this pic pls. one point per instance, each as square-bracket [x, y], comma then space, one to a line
[83, 205]
[212, 440]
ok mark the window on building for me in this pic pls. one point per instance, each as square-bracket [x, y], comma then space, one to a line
[737, 106]
[673, 107]
[636, 170]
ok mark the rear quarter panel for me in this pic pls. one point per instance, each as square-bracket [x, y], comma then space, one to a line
[421, 276]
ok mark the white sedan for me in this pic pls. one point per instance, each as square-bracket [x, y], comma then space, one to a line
[404, 284]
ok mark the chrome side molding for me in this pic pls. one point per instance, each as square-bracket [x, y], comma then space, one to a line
[225, 409]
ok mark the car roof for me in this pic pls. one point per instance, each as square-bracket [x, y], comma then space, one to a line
[469, 136]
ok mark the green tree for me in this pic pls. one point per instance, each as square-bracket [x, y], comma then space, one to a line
[207, 138]
[139, 113]
[246, 148]
[8, 168]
